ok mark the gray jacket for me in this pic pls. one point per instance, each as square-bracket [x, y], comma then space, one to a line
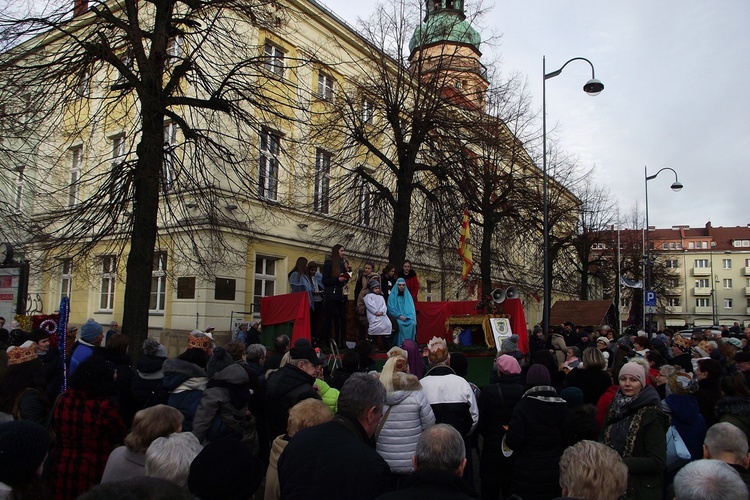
[216, 402]
[410, 414]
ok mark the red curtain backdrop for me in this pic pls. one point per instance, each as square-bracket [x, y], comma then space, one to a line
[431, 318]
[290, 307]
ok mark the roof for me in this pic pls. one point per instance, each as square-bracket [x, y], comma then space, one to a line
[445, 26]
[581, 312]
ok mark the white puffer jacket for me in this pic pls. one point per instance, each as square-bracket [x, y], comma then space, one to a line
[409, 416]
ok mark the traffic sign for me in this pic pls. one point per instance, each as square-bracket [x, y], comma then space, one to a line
[649, 298]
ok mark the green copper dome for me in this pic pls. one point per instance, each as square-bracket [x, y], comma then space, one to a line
[445, 25]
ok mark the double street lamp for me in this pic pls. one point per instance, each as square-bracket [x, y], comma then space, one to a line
[676, 186]
[593, 87]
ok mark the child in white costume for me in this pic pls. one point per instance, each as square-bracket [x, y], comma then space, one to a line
[377, 311]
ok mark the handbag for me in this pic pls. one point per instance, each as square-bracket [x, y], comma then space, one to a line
[677, 452]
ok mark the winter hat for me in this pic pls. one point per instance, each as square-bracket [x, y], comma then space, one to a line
[396, 351]
[90, 330]
[199, 340]
[225, 470]
[507, 365]
[573, 396]
[20, 354]
[510, 344]
[374, 283]
[151, 347]
[210, 329]
[38, 334]
[680, 383]
[23, 446]
[681, 343]
[438, 350]
[602, 340]
[218, 361]
[735, 342]
[634, 370]
[538, 375]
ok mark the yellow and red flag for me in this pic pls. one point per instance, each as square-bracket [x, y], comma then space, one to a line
[464, 248]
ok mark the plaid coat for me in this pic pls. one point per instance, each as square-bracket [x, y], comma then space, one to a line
[86, 430]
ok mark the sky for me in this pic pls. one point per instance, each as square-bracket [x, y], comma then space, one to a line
[676, 94]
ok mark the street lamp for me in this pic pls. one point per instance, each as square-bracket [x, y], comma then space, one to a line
[676, 186]
[593, 87]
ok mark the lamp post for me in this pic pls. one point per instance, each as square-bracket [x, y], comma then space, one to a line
[676, 186]
[592, 87]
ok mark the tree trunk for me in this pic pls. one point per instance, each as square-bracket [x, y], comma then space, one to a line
[486, 256]
[143, 236]
[400, 235]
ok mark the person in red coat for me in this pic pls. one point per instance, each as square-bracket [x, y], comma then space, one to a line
[87, 427]
[410, 276]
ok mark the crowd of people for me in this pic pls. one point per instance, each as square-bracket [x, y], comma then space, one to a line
[585, 414]
[385, 302]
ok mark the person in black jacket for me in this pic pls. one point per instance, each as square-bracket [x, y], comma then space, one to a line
[336, 274]
[496, 403]
[51, 361]
[337, 460]
[147, 387]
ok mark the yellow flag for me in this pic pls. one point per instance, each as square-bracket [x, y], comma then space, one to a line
[464, 248]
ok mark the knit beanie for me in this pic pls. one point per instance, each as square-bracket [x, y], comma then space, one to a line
[735, 342]
[225, 470]
[23, 446]
[602, 340]
[507, 365]
[510, 344]
[634, 370]
[375, 282]
[538, 375]
[90, 330]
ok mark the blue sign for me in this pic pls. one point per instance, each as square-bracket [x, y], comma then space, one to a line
[649, 298]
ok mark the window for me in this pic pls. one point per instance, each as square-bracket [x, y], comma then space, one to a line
[83, 82]
[726, 263]
[727, 282]
[741, 243]
[672, 246]
[428, 293]
[747, 262]
[158, 282]
[170, 143]
[322, 179]
[19, 191]
[265, 280]
[727, 303]
[225, 288]
[174, 49]
[66, 278]
[368, 110]
[118, 159]
[186, 287]
[364, 213]
[703, 263]
[691, 245]
[74, 188]
[269, 165]
[665, 246]
[599, 246]
[672, 263]
[673, 302]
[107, 289]
[704, 244]
[679, 245]
[702, 283]
[273, 59]
[325, 87]
[703, 302]
[673, 282]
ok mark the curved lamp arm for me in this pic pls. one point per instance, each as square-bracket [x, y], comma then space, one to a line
[553, 74]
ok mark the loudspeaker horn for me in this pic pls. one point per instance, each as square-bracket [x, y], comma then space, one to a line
[498, 295]
[511, 293]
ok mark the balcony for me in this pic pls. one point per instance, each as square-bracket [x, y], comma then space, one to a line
[748, 311]
[747, 290]
[673, 310]
[746, 271]
[701, 271]
[704, 310]
[701, 291]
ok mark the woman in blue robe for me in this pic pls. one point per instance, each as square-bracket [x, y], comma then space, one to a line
[401, 307]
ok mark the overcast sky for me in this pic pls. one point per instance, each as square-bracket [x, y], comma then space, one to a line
[677, 94]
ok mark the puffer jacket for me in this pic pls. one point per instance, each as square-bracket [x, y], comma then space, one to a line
[186, 382]
[286, 387]
[410, 414]
[329, 395]
[225, 397]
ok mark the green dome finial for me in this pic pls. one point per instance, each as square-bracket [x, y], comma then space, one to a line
[445, 22]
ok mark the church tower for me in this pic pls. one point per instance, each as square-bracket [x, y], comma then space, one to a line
[445, 48]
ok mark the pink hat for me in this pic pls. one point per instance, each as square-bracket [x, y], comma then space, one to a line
[634, 370]
[507, 365]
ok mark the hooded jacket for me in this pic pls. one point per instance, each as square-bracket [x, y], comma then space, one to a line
[409, 414]
[225, 397]
[687, 419]
[147, 386]
[286, 387]
[185, 381]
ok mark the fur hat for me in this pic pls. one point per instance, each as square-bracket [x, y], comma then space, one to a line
[510, 344]
[538, 375]
[634, 370]
[20, 354]
[152, 347]
[438, 350]
[225, 470]
[396, 351]
[680, 383]
[507, 365]
[199, 340]
[23, 446]
[90, 330]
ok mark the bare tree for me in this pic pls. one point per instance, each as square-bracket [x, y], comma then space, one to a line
[135, 121]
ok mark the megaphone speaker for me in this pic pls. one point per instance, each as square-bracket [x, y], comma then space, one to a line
[511, 293]
[498, 295]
